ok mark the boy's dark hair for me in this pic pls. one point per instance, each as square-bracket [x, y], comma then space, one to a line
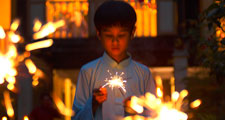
[112, 13]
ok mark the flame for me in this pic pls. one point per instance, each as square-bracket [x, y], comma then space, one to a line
[38, 45]
[8, 104]
[2, 33]
[115, 81]
[61, 107]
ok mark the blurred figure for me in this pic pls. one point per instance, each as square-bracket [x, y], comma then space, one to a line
[46, 110]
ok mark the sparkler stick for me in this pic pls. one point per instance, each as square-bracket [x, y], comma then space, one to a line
[115, 81]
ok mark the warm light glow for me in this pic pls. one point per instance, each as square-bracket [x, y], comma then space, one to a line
[160, 109]
[195, 103]
[25, 118]
[35, 82]
[48, 28]
[8, 104]
[10, 86]
[4, 118]
[1, 80]
[159, 82]
[175, 96]
[37, 25]
[159, 93]
[172, 85]
[14, 37]
[31, 66]
[15, 25]
[61, 107]
[2, 33]
[38, 45]
[115, 81]
[134, 104]
[183, 93]
[11, 79]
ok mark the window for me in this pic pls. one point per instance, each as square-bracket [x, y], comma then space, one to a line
[146, 17]
[74, 12]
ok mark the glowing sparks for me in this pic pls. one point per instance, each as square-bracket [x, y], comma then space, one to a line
[38, 45]
[115, 81]
[2, 33]
[8, 104]
[4, 118]
[37, 25]
[195, 103]
[31, 66]
[47, 29]
[25, 118]
[15, 25]
[61, 107]
[161, 110]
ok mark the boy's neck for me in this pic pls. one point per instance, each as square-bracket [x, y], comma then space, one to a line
[119, 58]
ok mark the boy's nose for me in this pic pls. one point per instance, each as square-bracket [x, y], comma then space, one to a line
[115, 39]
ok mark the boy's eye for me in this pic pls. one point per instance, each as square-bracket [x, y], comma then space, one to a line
[122, 35]
[108, 36]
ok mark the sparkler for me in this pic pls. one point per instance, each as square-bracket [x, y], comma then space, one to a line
[171, 110]
[10, 58]
[115, 81]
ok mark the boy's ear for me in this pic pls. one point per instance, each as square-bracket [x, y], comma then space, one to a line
[133, 32]
[98, 34]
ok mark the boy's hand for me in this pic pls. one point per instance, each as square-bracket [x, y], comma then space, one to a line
[127, 108]
[99, 96]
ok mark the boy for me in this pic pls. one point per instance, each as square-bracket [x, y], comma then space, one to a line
[115, 24]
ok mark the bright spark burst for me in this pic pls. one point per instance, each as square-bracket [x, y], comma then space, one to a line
[115, 81]
[171, 110]
[9, 57]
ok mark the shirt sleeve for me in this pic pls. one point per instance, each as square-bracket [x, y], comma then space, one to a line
[83, 99]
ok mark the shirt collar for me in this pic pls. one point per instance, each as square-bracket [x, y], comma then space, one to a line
[107, 59]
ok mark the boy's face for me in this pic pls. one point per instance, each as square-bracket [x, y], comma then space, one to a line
[115, 40]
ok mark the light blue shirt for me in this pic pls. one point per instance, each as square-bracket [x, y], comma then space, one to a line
[92, 75]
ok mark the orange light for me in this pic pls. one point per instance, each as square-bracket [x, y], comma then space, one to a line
[35, 82]
[25, 118]
[4, 118]
[195, 103]
[10, 86]
[2, 33]
[8, 104]
[31, 66]
[61, 107]
[15, 25]
[37, 25]
[38, 45]
[159, 93]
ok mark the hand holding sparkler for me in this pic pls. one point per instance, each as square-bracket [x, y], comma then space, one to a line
[99, 96]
